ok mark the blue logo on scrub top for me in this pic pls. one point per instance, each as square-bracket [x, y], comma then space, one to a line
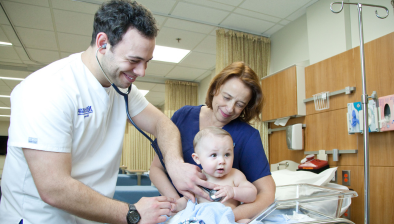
[33, 140]
[85, 111]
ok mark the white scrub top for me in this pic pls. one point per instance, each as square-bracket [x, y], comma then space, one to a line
[63, 108]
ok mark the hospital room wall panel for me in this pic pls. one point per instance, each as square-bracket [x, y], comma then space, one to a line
[381, 146]
[331, 74]
[342, 141]
[312, 127]
[379, 65]
[276, 90]
[278, 141]
[279, 149]
[325, 132]
[381, 194]
[327, 129]
[356, 184]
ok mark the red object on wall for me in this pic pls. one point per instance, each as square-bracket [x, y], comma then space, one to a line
[312, 164]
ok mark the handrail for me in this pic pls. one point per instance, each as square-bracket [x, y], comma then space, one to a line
[347, 90]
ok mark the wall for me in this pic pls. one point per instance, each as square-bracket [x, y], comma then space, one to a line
[321, 34]
[4, 132]
[203, 88]
[289, 45]
[373, 26]
[4, 128]
[327, 129]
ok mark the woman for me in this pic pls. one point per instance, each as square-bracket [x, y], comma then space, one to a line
[234, 98]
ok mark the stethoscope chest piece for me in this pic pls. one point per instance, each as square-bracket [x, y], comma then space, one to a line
[212, 194]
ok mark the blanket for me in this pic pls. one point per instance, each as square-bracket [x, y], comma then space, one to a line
[208, 213]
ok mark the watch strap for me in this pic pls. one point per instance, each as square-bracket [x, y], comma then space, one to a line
[133, 210]
[132, 207]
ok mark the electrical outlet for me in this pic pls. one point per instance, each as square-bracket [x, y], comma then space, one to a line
[346, 177]
[346, 215]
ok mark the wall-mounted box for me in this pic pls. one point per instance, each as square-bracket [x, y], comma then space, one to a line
[284, 93]
[295, 137]
[386, 111]
[355, 117]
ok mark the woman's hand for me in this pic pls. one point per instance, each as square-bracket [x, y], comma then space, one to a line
[225, 191]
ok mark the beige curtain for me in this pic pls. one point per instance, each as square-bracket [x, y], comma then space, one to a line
[255, 51]
[137, 152]
[179, 94]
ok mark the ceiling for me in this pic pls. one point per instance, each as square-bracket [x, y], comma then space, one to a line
[43, 31]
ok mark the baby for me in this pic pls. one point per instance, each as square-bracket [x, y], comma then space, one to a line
[214, 150]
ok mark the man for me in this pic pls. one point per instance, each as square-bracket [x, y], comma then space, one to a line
[67, 127]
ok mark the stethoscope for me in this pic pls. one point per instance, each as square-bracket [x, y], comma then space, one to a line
[126, 98]
[154, 145]
[212, 193]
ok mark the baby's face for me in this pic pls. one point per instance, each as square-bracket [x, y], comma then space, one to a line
[216, 155]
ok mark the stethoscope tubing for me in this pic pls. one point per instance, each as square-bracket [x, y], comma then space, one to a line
[126, 98]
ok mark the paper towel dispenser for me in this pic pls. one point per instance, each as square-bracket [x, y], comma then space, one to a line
[295, 137]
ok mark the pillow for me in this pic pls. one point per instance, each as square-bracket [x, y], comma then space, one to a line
[286, 177]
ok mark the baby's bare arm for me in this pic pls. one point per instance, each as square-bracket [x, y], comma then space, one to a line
[242, 191]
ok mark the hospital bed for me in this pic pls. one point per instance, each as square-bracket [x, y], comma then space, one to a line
[305, 197]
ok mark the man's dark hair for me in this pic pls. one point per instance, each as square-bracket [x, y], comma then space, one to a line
[115, 17]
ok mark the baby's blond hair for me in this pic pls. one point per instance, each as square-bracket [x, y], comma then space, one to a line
[214, 131]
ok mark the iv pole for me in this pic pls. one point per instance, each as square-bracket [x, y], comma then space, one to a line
[364, 98]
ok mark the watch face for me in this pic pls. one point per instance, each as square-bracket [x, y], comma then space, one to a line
[133, 217]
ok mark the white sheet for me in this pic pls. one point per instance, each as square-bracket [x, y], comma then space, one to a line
[287, 177]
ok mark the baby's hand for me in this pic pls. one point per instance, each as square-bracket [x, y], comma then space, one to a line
[225, 191]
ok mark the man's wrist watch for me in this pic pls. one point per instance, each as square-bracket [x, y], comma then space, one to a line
[133, 217]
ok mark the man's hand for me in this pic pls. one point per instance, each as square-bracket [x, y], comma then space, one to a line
[187, 178]
[152, 210]
[224, 191]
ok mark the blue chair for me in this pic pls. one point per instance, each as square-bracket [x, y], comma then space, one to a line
[132, 179]
[127, 180]
[132, 194]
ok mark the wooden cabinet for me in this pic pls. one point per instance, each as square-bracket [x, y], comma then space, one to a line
[284, 93]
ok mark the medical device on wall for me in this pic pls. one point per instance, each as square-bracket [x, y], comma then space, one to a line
[354, 112]
[126, 98]
[355, 117]
[386, 112]
[295, 137]
[309, 163]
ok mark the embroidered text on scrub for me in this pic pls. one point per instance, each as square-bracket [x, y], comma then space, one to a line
[85, 111]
